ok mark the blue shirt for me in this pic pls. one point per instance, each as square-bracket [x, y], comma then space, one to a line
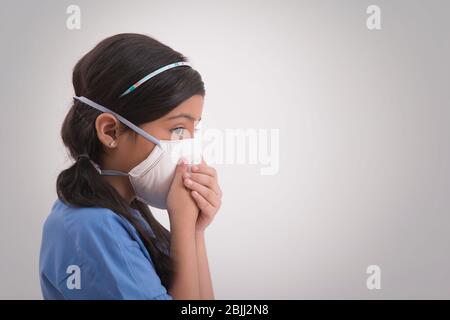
[93, 253]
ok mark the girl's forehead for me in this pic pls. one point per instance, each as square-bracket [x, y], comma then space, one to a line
[190, 109]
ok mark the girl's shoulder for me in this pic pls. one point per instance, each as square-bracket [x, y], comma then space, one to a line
[87, 224]
[113, 263]
[83, 215]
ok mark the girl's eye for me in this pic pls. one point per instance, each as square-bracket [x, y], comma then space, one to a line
[182, 132]
[179, 131]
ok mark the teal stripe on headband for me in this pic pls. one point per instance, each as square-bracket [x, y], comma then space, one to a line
[154, 73]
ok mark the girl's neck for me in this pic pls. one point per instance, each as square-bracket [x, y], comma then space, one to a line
[122, 185]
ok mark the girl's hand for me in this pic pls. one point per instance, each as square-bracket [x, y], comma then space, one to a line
[182, 209]
[205, 190]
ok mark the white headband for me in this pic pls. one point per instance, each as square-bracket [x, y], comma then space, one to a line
[152, 74]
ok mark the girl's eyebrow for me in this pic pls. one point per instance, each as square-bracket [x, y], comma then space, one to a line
[184, 115]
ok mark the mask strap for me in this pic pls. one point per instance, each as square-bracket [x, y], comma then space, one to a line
[112, 173]
[121, 119]
[108, 172]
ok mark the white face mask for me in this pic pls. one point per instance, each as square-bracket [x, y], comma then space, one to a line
[151, 179]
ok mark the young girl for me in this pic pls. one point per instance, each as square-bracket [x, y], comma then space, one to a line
[136, 102]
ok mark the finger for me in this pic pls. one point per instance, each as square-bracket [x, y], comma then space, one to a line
[201, 202]
[181, 168]
[202, 167]
[207, 193]
[182, 164]
[205, 180]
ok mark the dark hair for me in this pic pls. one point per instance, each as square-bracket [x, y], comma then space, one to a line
[106, 71]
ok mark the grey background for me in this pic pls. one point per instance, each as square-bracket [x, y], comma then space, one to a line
[364, 137]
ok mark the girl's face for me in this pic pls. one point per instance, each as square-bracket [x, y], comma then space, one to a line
[130, 148]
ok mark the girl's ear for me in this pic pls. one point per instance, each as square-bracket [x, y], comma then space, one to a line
[107, 127]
